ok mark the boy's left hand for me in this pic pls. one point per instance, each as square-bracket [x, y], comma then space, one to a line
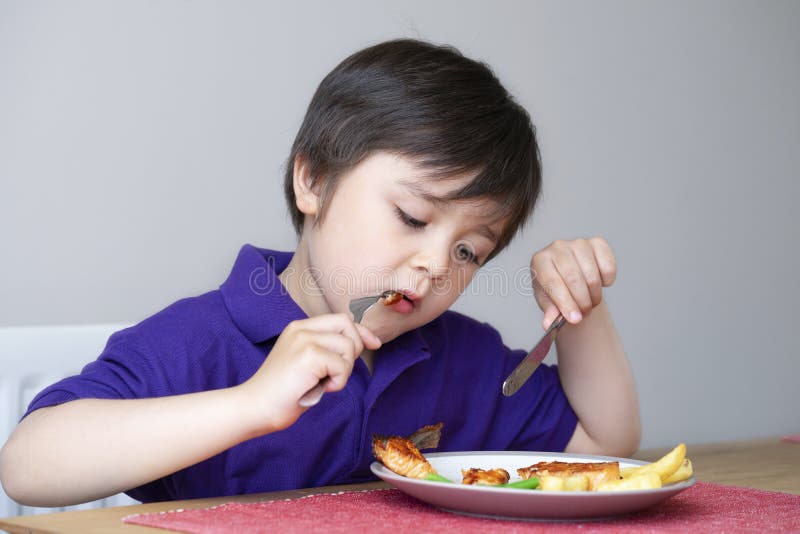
[569, 277]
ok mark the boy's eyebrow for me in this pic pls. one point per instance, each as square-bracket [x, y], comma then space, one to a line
[419, 190]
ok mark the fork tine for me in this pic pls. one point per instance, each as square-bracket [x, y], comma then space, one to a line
[359, 306]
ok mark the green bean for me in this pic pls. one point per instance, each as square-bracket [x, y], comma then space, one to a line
[436, 477]
[528, 483]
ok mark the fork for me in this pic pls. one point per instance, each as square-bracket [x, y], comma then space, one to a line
[358, 307]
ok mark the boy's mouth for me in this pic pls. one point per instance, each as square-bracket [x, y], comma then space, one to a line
[405, 304]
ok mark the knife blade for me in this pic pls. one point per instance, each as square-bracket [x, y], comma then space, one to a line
[528, 365]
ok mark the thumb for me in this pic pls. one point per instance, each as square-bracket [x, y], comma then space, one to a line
[371, 341]
[550, 314]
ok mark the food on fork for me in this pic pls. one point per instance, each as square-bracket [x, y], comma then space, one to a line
[490, 477]
[402, 455]
[554, 475]
[391, 297]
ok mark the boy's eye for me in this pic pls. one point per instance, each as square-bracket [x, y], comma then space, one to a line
[464, 253]
[408, 220]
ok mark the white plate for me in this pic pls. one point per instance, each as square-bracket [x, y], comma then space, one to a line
[518, 503]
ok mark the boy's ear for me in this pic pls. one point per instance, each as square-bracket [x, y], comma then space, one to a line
[305, 190]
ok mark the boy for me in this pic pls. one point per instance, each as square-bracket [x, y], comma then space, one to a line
[413, 167]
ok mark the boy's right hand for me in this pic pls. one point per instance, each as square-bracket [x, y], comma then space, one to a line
[307, 352]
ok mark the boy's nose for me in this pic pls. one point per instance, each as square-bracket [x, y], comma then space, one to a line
[436, 265]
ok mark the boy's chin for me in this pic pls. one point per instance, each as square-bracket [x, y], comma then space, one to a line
[388, 332]
[385, 332]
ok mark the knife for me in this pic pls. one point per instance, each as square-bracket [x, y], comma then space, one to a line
[528, 365]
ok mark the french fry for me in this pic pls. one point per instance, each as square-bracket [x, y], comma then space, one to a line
[576, 483]
[664, 467]
[648, 480]
[684, 472]
[551, 483]
[628, 472]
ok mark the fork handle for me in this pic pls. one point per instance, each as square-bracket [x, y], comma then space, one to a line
[314, 394]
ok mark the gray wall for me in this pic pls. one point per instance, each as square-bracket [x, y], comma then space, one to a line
[141, 143]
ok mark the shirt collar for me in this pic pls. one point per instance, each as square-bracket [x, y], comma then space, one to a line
[258, 302]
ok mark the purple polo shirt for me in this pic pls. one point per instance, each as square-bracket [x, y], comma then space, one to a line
[449, 370]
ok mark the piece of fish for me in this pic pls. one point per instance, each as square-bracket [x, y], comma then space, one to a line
[597, 472]
[492, 477]
[401, 455]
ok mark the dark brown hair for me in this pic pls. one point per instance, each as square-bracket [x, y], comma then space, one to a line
[447, 112]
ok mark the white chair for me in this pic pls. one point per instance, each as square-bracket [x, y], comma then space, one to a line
[33, 357]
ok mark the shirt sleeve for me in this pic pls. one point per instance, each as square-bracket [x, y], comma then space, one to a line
[126, 369]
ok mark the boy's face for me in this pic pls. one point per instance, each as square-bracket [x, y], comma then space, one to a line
[385, 228]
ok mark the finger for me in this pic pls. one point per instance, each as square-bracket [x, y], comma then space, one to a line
[605, 259]
[339, 344]
[542, 295]
[584, 255]
[337, 323]
[572, 276]
[562, 298]
[540, 290]
[371, 341]
[550, 315]
[331, 369]
[360, 335]
[323, 363]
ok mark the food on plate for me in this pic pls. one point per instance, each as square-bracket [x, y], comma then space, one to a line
[525, 483]
[594, 472]
[392, 298]
[579, 482]
[551, 483]
[684, 472]
[664, 467]
[491, 477]
[671, 468]
[402, 455]
[648, 480]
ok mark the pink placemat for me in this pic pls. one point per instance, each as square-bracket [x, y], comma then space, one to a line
[704, 507]
[792, 438]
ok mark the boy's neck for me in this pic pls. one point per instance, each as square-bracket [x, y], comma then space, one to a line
[291, 278]
[296, 280]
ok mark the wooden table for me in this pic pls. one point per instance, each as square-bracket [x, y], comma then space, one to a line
[767, 464]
